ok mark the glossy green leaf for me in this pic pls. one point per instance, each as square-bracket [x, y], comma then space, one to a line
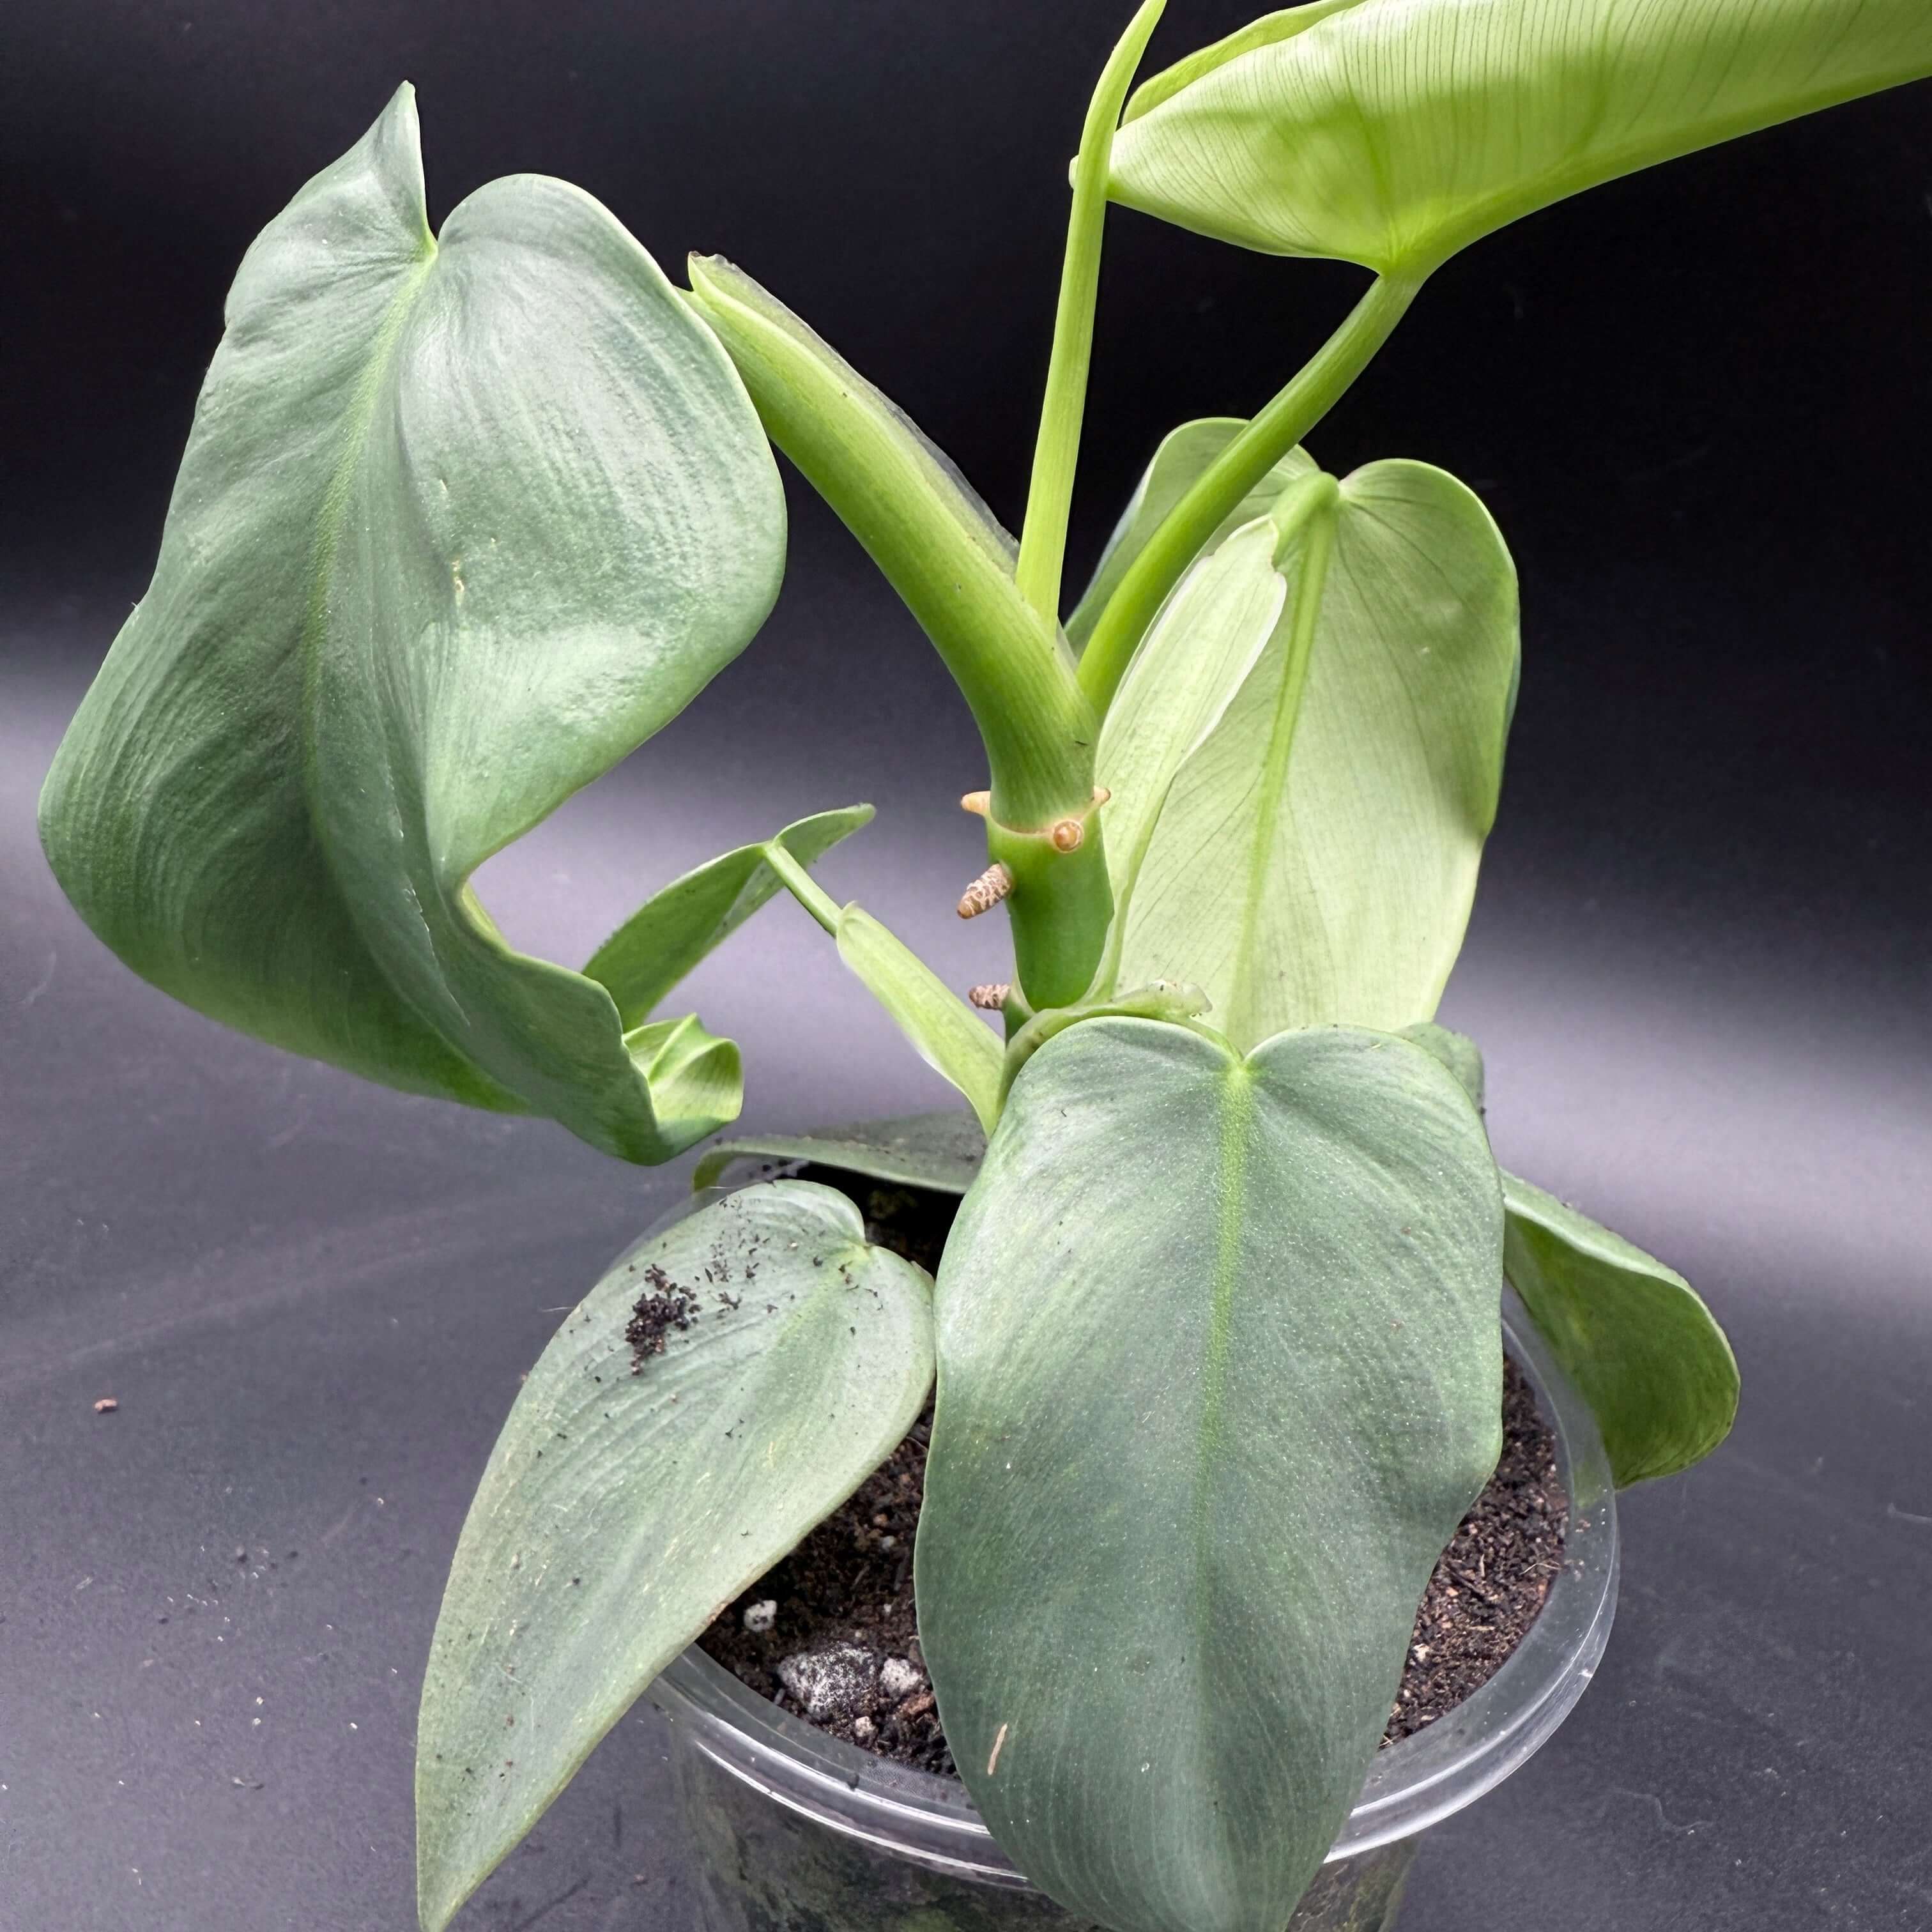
[1648, 1355]
[629, 1496]
[654, 949]
[1183, 453]
[460, 523]
[1316, 855]
[1219, 1368]
[948, 1035]
[1650, 1359]
[1393, 132]
[942, 1151]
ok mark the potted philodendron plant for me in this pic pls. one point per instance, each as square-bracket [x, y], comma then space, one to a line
[465, 518]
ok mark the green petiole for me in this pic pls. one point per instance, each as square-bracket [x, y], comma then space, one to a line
[1056, 454]
[1296, 409]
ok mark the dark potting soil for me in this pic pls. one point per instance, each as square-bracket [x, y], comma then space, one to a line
[830, 1634]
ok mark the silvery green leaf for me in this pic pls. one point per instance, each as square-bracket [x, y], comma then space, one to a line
[632, 1493]
[1219, 1370]
[462, 520]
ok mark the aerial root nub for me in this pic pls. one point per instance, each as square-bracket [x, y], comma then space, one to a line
[986, 892]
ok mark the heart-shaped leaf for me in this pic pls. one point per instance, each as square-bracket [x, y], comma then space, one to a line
[721, 1390]
[1184, 453]
[1315, 857]
[461, 521]
[1393, 132]
[1649, 1356]
[1219, 1368]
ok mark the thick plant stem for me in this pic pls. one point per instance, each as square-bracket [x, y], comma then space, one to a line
[1175, 544]
[934, 542]
[1057, 452]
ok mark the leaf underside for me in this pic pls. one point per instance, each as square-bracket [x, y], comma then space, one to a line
[628, 1497]
[1392, 133]
[462, 520]
[1219, 1372]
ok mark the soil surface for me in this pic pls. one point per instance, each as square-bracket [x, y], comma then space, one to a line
[831, 1633]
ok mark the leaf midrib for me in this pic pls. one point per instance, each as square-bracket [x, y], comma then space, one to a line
[327, 536]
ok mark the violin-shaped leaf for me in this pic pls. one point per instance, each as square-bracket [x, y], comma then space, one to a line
[1393, 132]
[724, 1388]
[461, 521]
[1315, 856]
[1219, 1370]
[1183, 453]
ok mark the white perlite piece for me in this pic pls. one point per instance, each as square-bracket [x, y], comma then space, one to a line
[899, 1679]
[759, 1617]
[836, 1682]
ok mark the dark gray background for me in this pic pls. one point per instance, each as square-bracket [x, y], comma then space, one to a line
[1698, 402]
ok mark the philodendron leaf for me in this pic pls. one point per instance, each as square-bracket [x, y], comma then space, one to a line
[632, 1492]
[461, 521]
[1649, 1358]
[1648, 1355]
[1393, 132]
[942, 1151]
[1314, 855]
[1183, 453]
[1219, 1368]
[654, 949]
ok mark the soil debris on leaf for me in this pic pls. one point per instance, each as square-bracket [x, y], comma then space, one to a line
[662, 1306]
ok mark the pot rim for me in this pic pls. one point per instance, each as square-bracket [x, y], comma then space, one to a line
[1425, 1778]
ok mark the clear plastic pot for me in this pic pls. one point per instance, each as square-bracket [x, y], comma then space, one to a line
[797, 1832]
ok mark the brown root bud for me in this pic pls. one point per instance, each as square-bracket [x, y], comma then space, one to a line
[980, 803]
[990, 998]
[986, 892]
[1067, 835]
